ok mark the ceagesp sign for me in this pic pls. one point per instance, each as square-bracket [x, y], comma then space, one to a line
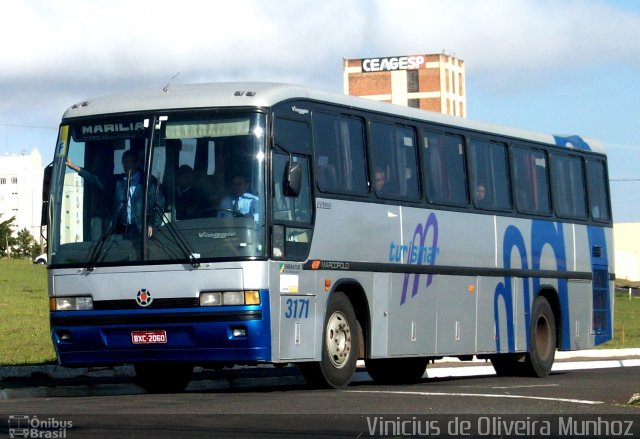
[392, 63]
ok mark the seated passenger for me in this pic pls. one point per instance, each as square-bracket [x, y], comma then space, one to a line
[380, 179]
[481, 195]
[188, 201]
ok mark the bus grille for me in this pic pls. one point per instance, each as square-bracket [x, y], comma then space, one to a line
[176, 302]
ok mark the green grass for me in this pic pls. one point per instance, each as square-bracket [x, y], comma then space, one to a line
[626, 322]
[24, 316]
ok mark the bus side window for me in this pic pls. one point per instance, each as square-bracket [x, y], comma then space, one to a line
[597, 190]
[531, 181]
[445, 169]
[489, 174]
[340, 157]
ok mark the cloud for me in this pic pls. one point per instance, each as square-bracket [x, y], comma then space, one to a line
[76, 49]
[508, 44]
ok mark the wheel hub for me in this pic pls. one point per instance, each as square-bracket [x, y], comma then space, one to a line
[338, 339]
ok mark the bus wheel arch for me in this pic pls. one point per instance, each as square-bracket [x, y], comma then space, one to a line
[532, 363]
[344, 323]
[356, 295]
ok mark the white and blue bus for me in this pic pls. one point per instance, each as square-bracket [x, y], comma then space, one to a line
[245, 223]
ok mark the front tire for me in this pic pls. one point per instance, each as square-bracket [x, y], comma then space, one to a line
[340, 344]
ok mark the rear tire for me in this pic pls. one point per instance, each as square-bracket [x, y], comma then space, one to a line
[396, 370]
[163, 377]
[340, 344]
[542, 346]
[542, 340]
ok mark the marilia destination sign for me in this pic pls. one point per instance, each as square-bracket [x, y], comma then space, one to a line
[504, 426]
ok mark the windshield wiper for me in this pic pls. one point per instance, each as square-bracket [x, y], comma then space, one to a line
[96, 250]
[177, 236]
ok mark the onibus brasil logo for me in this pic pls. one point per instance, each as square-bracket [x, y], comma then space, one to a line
[32, 427]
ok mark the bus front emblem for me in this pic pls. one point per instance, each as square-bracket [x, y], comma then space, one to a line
[143, 298]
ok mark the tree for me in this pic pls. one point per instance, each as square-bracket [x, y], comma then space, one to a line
[25, 244]
[7, 240]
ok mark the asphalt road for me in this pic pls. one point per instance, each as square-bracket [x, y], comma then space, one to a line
[578, 403]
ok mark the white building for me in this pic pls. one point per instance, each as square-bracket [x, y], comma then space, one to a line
[21, 190]
[627, 247]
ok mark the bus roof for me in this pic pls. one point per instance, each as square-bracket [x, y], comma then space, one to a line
[264, 94]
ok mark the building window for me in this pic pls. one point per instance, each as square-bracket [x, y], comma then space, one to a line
[3, 181]
[14, 180]
[413, 103]
[413, 84]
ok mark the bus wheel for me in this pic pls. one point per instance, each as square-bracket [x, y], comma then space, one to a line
[163, 377]
[396, 370]
[542, 339]
[340, 342]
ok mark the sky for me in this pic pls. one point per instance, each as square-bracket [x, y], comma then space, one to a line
[557, 67]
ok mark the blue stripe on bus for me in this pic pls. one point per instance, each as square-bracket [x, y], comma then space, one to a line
[572, 141]
[543, 233]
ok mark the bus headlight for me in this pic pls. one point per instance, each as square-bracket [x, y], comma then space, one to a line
[73, 303]
[210, 299]
[229, 298]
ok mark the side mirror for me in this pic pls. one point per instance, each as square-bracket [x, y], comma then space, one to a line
[292, 179]
[46, 184]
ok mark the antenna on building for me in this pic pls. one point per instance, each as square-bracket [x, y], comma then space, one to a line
[166, 87]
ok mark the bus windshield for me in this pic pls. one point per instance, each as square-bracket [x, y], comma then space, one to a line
[159, 188]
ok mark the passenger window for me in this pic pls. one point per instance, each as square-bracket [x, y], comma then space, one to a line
[567, 176]
[531, 181]
[340, 157]
[489, 175]
[394, 155]
[444, 169]
[598, 193]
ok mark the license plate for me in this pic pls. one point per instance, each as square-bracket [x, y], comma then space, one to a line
[148, 337]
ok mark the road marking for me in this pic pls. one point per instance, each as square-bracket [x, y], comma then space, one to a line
[479, 395]
[525, 387]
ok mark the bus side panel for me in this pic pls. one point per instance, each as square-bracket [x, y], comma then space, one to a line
[412, 323]
[342, 225]
[579, 329]
[295, 310]
[436, 313]
[486, 321]
[380, 315]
